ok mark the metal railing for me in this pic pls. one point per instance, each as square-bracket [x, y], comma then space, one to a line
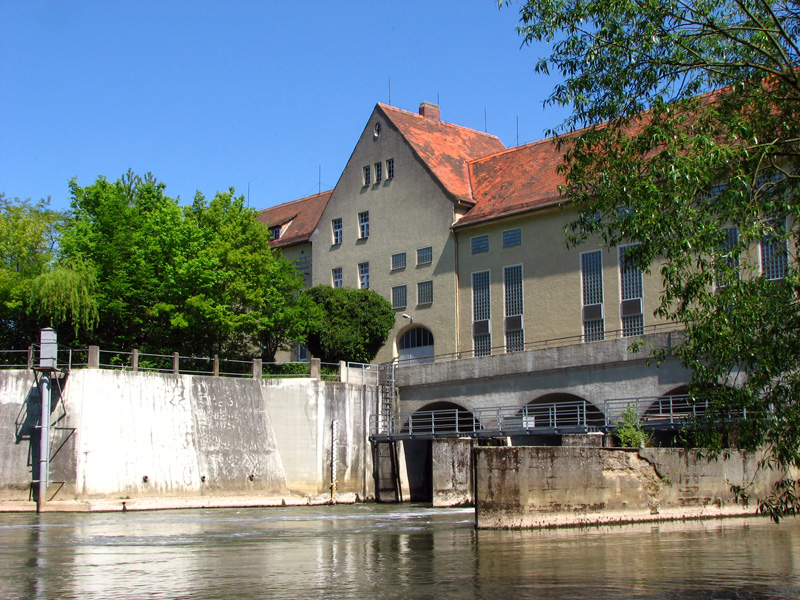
[656, 412]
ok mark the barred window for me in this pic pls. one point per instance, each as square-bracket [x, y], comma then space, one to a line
[336, 277]
[363, 276]
[512, 280]
[425, 256]
[512, 237]
[398, 261]
[336, 230]
[367, 177]
[480, 244]
[425, 292]
[481, 309]
[363, 225]
[399, 296]
[630, 276]
[774, 257]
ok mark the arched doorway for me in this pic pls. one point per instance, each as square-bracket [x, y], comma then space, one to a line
[415, 346]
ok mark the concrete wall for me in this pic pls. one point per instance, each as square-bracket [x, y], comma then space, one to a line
[548, 486]
[127, 435]
[452, 472]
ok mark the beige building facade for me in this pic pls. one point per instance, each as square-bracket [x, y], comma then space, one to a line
[466, 239]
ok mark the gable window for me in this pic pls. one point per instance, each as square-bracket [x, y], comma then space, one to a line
[363, 225]
[425, 292]
[378, 172]
[592, 281]
[389, 168]
[480, 244]
[363, 276]
[774, 257]
[274, 233]
[367, 176]
[425, 256]
[336, 277]
[512, 237]
[398, 261]
[336, 231]
[631, 288]
[399, 296]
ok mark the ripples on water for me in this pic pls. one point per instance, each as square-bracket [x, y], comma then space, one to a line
[385, 551]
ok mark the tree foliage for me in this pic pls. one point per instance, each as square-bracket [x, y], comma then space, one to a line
[198, 279]
[690, 152]
[354, 326]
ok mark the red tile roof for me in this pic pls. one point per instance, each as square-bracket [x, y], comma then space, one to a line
[443, 148]
[513, 181]
[303, 215]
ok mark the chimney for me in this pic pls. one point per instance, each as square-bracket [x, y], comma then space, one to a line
[429, 111]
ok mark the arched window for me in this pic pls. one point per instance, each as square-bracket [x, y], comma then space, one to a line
[415, 346]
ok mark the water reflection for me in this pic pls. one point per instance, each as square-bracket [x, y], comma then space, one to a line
[368, 551]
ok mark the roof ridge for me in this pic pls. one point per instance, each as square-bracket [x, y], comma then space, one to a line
[440, 121]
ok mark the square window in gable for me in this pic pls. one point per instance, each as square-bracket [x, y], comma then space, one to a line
[512, 237]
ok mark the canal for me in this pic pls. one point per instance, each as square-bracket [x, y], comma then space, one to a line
[385, 551]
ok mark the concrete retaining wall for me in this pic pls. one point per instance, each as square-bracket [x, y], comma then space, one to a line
[549, 486]
[132, 435]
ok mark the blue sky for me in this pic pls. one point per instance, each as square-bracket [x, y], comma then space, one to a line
[260, 94]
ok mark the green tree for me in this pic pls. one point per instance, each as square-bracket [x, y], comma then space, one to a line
[355, 324]
[691, 121]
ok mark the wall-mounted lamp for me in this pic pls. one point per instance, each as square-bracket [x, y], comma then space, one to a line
[409, 317]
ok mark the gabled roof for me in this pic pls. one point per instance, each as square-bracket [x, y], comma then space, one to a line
[299, 217]
[516, 180]
[445, 149]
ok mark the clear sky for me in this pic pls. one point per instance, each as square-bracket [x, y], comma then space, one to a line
[267, 95]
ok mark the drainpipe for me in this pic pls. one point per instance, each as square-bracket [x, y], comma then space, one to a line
[334, 443]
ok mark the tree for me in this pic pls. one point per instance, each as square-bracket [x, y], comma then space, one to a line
[690, 153]
[355, 324]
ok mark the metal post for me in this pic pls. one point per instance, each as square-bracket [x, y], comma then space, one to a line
[48, 354]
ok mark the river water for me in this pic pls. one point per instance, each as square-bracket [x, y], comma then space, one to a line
[385, 551]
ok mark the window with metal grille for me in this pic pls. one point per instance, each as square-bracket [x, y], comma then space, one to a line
[480, 244]
[389, 168]
[481, 309]
[512, 237]
[336, 231]
[425, 292]
[378, 172]
[512, 282]
[398, 261]
[630, 276]
[482, 344]
[336, 277]
[633, 325]
[515, 341]
[363, 225]
[367, 176]
[774, 257]
[399, 296]
[415, 338]
[592, 283]
[363, 275]
[425, 256]
[731, 260]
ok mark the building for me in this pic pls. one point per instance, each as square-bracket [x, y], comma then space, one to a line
[465, 238]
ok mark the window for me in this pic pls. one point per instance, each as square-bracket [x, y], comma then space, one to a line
[399, 296]
[774, 257]
[480, 244]
[363, 225]
[425, 292]
[274, 233]
[512, 237]
[363, 276]
[631, 287]
[424, 256]
[398, 261]
[481, 312]
[389, 168]
[302, 352]
[367, 177]
[336, 277]
[592, 281]
[512, 284]
[336, 231]
[729, 257]
[378, 172]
